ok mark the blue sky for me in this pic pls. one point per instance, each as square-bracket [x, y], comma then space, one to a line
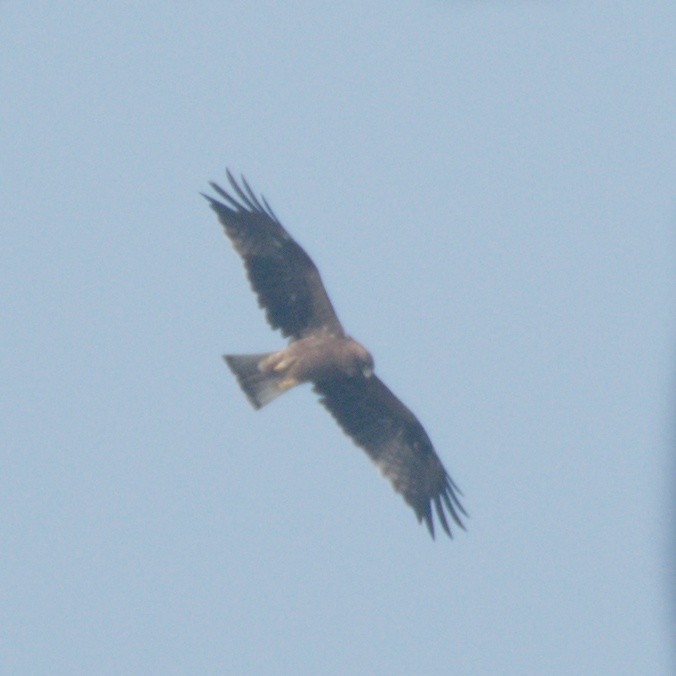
[488, 190]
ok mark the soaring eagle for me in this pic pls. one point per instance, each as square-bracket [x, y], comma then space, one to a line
[291, 292]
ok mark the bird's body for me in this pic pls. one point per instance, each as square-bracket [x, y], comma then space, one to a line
[290, 289]
[315, 358]
[305, 359]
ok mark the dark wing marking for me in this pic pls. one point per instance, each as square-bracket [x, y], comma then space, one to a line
[283, 276]
[396, 442]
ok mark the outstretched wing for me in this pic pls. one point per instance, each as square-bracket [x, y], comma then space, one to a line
[283, 276]
[396, 442]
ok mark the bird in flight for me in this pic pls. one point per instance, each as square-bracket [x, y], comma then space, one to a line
[290, 290]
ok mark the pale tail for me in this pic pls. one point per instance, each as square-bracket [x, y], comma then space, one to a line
[260, 388]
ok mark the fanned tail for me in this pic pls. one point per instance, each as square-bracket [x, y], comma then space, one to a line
[260, 388]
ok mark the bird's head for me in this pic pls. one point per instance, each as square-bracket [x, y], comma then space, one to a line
[362, 359]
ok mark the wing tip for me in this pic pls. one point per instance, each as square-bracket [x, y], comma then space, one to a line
[243, 200]
[446, 503]
[213, 203]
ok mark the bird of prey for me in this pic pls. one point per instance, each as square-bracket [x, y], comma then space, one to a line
[292, 294]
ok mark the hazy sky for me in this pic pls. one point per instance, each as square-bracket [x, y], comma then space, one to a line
[488, 189]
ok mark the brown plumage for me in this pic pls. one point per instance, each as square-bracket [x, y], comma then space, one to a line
[291, 292]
